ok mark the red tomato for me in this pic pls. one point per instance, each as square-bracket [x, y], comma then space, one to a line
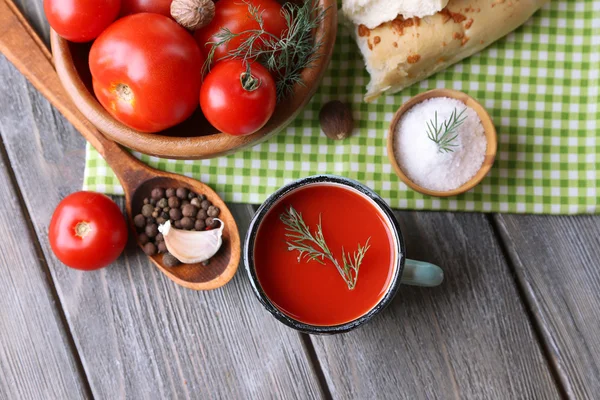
[235, 103]
[234, 15]
[81, 20]
[129, 7]
[147, 72]
[87, 231]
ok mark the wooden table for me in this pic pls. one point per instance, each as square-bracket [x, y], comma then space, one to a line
[518, 316]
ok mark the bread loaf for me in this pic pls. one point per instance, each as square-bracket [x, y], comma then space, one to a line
[405, 51]
[372, 13]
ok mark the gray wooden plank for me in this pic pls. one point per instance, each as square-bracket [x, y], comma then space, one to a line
[33, 10]
[469, 338]
[557, 262]
[138, 334]
[36, 358]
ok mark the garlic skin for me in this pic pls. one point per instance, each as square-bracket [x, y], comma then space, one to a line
[192, 247]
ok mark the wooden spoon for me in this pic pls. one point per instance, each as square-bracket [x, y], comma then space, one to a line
[21, 45]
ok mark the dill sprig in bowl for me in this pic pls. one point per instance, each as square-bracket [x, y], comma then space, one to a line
[195, 138]
[285, 57]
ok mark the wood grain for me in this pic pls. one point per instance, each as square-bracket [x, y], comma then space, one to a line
[138, 334]
[557, 261]
[36, 358]
[469, 338]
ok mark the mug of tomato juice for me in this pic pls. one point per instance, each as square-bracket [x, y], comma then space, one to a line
[325, 254]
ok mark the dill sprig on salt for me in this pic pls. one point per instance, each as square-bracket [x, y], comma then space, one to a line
[444, 134]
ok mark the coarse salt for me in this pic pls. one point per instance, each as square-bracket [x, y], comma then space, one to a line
[420, 158]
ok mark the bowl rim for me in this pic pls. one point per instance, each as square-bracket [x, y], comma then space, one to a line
[204, 146]
[248, 254]
[489, 130]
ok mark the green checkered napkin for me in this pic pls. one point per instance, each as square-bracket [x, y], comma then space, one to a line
[540, 85]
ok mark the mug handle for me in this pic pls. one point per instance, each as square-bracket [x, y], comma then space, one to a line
[420, 273]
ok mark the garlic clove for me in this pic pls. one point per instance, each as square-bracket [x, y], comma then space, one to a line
[191, 247]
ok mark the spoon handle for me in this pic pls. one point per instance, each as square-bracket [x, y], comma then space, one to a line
[23, 48]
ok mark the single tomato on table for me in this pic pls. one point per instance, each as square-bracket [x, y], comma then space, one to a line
[129, 7]
[81, 20]
[147, 72]
[235, 16]
[87, 231]
[235, 101]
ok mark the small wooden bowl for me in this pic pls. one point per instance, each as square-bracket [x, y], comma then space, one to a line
[194, 138]
[488, 126]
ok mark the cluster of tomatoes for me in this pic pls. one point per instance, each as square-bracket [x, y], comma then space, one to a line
[147, 70]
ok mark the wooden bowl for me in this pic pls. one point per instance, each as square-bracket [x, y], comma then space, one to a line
[195, 138]
[488, 126]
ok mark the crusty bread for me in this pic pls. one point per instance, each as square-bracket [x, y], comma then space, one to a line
[372, 13]
[405, 51]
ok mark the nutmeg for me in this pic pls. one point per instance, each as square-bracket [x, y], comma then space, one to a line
[193, 14]
[336, 120]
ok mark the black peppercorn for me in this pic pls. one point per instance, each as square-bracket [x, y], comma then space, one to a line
[159, 237]
[187, 223]
[157, 193]
[191, 195]
[153, 202]
[162, 247]
[150, 221]
[206, 262]
[154, 214]
[202, 197]
[182, 193]
[152, 230]
[169, 260]
[147, 210]
[165, 215]
[170, 192]
[175, 214]
[211, 223]
[139, 221]
[166, 209]
[162, 203]
[202, 214]
[177, 224]
[150, 249]
[174, 202]
[205, 204]
[213, 211]
[195, 202]
[189, 211]
[199, 225]
[143, 238]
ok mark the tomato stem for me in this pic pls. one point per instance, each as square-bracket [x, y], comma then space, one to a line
[249, 82]
[124, 92]
[82, 229]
